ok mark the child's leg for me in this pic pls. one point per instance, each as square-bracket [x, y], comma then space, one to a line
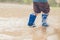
[34, 15]
[45, 14]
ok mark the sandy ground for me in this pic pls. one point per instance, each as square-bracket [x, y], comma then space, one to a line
[13, 23]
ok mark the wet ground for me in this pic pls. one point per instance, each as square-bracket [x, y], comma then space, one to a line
[13, 23]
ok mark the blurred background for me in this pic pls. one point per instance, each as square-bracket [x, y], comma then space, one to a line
[14, 17]
[54, 3]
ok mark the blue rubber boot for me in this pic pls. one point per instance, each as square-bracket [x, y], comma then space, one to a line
[31, 19]
[44, 18]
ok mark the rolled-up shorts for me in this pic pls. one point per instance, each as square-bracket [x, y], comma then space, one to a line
[39, 7]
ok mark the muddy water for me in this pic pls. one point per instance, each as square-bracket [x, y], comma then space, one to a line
[13, 24]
